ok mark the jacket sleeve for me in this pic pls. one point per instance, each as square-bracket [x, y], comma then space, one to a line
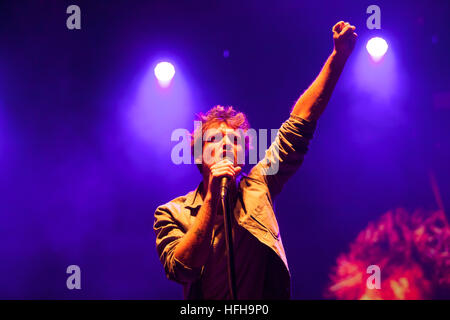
[168, 234]
[285, 154]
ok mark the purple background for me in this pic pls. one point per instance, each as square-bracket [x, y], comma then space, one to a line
[85, 130]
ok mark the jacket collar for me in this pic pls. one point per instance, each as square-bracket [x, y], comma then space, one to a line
[194, 198]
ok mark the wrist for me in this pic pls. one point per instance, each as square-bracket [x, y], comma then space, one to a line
[211, 198]
[339, 57]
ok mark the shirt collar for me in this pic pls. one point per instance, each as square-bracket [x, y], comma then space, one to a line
[194, 198]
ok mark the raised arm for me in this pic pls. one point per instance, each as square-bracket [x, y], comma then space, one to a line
[313, 101]
[286, 153]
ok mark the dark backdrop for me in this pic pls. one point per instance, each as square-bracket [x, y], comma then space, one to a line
[85, 131]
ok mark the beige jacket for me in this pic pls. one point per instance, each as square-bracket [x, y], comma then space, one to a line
[253, 211]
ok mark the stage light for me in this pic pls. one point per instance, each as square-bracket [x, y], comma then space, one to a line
[164, 72]
[377, 47]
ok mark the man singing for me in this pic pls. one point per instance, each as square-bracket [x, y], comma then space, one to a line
[190, 236]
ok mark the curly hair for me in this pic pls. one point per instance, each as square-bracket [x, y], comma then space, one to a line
[412, 251]
[214, 117]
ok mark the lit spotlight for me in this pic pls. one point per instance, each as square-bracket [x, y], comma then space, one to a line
[164, 72]
[377, 47]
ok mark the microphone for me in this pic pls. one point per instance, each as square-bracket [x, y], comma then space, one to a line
[224, 187]
[225, 180]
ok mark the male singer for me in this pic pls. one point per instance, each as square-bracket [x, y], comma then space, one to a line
[190, 237]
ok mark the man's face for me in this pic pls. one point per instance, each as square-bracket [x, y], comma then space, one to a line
[221, 142]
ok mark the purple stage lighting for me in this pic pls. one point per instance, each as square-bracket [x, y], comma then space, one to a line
[377, 47]
[164, 72]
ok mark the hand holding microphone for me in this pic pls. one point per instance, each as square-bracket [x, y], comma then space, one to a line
[222, 174]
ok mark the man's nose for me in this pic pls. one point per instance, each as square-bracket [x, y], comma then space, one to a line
[227, 143]
[227, 147]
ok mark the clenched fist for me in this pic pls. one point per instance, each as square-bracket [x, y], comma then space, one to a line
[344, 38]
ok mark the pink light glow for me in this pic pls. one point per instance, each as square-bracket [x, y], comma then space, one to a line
[377, 47]
[164, 72]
